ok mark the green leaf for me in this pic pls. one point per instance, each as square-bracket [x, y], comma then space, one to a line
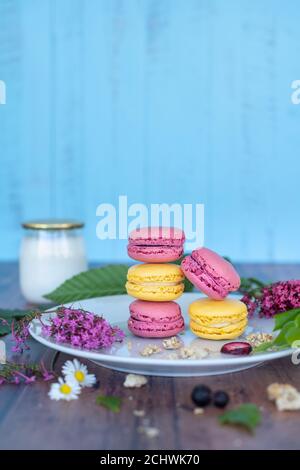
[247, 415]
[7, 314]
[263, 347]
[5, 329]
[297, 320]
[282, 318]
[109, 402]
[251, 286]
[109, 280]
[281, 337]
[292, 335]
[188, 286]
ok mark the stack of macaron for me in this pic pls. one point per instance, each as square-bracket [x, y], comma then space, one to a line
[214, 317]
[156, 283]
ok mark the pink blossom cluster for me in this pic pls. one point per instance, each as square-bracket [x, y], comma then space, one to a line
[274, 298]
[82, 329]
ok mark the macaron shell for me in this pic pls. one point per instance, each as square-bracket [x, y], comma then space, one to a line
[210, 273]
[155, 329]
[201, 280]
[215, 334]
[217, 267]
[227, 309]
[155, 311]
[161, 236]
[218, 319]
[141, 273]
[155, 293]
[155, 319]
[155, 254]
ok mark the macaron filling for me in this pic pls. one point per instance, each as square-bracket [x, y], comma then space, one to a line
[211, 273]
[165, 253]
[156, 326]
[199, 274]
[139, 316]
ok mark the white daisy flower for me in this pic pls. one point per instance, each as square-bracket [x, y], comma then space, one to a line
[64, 390]
[74, 370]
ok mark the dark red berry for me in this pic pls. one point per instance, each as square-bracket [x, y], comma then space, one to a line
[201, 395]
[237, 348]
[220, 399]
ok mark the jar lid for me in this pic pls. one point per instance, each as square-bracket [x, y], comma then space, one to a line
[52, 224]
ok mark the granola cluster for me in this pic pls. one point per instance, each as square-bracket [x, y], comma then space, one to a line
[285, 396]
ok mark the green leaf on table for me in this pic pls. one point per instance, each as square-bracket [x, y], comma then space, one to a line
[5, 328]
[109, 402]
[282, 318]
[99, 282]
[247, 415]
[7, 316]
[15, 313]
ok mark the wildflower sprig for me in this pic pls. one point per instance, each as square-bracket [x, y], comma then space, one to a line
[82, 329]
[17, 373]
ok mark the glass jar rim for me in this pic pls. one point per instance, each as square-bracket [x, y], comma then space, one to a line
[53, 224]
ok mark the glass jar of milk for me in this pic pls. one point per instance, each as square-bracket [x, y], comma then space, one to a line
[52, 251]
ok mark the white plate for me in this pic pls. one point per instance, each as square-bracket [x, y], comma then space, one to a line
[126, 357]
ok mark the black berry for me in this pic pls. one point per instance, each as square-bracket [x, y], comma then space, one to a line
[96, 385]
[220, 399]
[201, 395]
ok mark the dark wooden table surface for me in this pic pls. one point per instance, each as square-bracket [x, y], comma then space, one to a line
[30, 420]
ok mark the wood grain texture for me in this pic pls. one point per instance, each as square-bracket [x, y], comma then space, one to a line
[162, 100]
[29, 420]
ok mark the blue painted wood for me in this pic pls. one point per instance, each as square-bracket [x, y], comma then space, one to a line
[160, 100]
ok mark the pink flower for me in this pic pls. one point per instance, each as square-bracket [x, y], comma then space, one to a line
[82, 329]
[274, 298]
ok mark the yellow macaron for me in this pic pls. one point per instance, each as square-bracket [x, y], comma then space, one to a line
[155, 282]
[218, 319]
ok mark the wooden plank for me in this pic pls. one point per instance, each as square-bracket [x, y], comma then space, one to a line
[29, 420]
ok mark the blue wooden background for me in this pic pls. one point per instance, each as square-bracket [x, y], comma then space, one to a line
[161, 100]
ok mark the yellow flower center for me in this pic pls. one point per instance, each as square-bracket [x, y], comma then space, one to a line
[65, 389]
[79, 376]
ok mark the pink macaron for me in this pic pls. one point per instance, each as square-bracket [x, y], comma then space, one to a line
[156, 244]
[210, 273]
[155, 319]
